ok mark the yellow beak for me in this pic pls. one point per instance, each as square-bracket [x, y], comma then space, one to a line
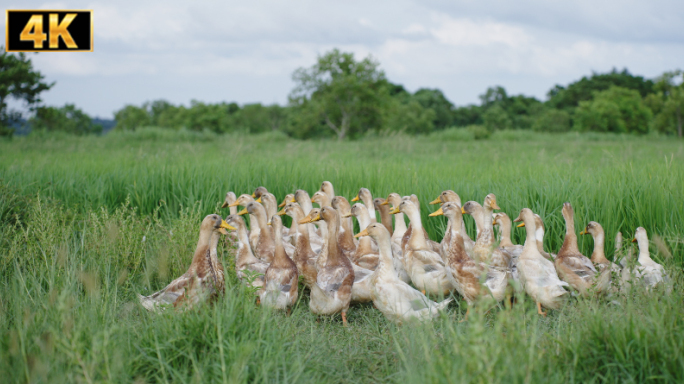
[269, 223]
[226, 225]
[494, 206]
[634, 240]
[224, 205]
[438, 212]
[438, 200]
[293, 200]
[233, 204]
[356, 198]
[521, 225]
[258, 200]
[494, 222]
[281, 212]
[243, 212]
[312, 200]
[362, 233]
[386, 202]
[317, 218]
[463, 211]
[254, 195]
[584, 232]
[346, 215]
[394, 211]
[284, 203]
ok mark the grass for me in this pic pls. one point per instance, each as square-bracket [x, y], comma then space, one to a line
[87, 223]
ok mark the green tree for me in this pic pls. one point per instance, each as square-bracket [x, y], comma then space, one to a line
[616, 109]
[18, 80]
[340, 93]
[410, 117]
[496, 118]
[66, 119]
[668, 103]
[442, 107]
[584, 89]
[131, 117]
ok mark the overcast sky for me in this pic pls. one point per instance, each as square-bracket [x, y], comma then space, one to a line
[246, 51]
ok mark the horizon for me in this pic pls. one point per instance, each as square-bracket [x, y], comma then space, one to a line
[150, 51]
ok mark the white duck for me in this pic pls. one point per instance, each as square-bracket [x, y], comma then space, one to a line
[397, 300]
[281, 277]
[648, 270]
[537, 274]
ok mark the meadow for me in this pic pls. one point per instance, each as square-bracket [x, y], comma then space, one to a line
[86, 223]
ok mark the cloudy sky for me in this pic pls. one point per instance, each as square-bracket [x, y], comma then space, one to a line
[246, 51]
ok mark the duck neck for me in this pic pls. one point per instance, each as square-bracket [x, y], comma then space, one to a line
[368, 202]
[386, 264]
[334, 250]
[598, 256]
[570, 242]
[244, 251]
[456, 243]
[323, 255]
[484, 236]
[306, 205]
[280, 258]
[386, 218]
[233, 210]
[505, 228]
[265, 234]
[399, 225]
[644, 255]
[417, 239]
[539, 236]
[530, 238]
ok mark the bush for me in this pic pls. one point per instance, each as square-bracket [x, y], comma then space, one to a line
[616, 109]
[479, 132]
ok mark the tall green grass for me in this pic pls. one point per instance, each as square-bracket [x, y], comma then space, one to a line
[87, 223]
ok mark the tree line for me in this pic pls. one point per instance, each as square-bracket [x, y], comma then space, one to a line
[346, 98]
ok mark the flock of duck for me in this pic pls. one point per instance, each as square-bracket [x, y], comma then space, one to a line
[395, 266]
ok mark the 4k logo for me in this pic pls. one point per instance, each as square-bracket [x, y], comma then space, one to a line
[40, 30]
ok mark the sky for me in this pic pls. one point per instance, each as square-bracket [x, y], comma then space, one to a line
[246, 51]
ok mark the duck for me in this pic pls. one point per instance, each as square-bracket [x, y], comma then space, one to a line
[385, 217]
[394, 199]
[346, 237]
[366, 198]
[203, 281]
[396, 300]
[332, 291]
[484, 250]
[243, 200]
[537, 274]
[304, 200]
[471, 279]
[289, 198]
[230, 199]
[573, 267]
[304, 255]
[327, 188]
[264, 247]
[651, 273]
[434, 246]
[293, 228]
[504, 222]
[539, 235]
[281, 277]
[322, 199]
[425, 266]
[364, 256]
[451, 196]
[605, 268]
[258, 192]
[249, 269]
[361, 286]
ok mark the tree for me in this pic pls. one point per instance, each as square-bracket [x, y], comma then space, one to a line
[19, 81]
[442, 107]
[131, 117]
[496, 118]
[340, 93]
[616, 109]
[584, 89]
[66, 119]
[668, 103]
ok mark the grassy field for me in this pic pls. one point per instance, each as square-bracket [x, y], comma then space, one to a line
[87, 223]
